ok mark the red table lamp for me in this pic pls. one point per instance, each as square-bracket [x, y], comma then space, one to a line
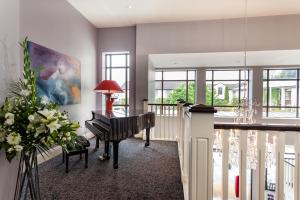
[108, 87]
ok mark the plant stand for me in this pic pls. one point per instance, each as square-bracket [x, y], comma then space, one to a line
[28, 178]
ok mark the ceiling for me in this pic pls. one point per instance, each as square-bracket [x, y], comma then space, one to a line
[116, 13]
[226, 59]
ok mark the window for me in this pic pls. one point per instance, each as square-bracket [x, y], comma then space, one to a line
[171, 85]
[220, 91]
[281, 93]
[117, 69]
[225, 90]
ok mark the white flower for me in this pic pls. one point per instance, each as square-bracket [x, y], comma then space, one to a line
[68, 134]
[47, 113]
[44, 100]
[25, 93]
[40, 129]
[13, 139]
[10, 119]
[64, 122]
[9, 122]
[53, 126]
[18, 148]
[10, 150]
[9, 116]
[31, 118]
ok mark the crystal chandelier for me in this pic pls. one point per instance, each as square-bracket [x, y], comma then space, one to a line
[252, 159]
[234, 151]
[270, 152]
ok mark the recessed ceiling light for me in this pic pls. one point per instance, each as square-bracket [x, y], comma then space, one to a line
[130, 6]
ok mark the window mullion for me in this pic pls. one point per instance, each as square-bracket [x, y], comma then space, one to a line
[212, 87]
[297, 92]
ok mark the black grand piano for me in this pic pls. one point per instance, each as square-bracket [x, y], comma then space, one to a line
[118, 126]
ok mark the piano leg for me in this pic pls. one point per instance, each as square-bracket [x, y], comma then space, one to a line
[97, 143]
[147, 137]
[116, 153]
[106, 154]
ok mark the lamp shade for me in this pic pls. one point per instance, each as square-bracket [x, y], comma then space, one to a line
[108, 87]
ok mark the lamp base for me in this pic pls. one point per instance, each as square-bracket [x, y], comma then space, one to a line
[108, 103]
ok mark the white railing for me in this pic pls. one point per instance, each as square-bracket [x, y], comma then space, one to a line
[165, 121]
[279, 147]
[207, 161]
[184, 142]
[257, 149]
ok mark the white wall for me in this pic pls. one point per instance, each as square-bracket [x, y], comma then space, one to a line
[9, 67]
[57, 25]
[264, 33]
[118, 40]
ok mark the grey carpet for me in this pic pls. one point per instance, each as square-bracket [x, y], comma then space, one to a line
[144, 173]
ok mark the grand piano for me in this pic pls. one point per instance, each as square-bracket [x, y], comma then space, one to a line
[118, 126]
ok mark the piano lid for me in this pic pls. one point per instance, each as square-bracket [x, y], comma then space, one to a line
[119, 113]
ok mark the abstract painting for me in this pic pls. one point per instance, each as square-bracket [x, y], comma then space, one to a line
[58, 76]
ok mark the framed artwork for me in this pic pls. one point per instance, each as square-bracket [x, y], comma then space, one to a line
[58, 76]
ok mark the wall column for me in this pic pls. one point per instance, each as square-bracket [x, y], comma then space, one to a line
[201, 156]
[200, 86]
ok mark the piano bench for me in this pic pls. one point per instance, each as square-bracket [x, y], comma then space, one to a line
[79, 148]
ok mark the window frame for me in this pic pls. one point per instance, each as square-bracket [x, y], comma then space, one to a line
[186, 80]
[267, 80]
[108, 66]
[240, 80]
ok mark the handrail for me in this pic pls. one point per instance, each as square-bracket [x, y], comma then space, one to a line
[161, 104]
[258, 127]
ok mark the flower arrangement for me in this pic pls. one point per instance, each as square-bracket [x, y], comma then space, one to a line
[29, 123]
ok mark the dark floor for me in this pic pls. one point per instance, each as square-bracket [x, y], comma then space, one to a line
[144, 173]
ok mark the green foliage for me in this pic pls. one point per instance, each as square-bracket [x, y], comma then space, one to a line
[275, 96]
[180, 93]
[218, 101]
[28, 123]
[208, 95]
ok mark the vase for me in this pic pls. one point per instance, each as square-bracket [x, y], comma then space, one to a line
[28, 178]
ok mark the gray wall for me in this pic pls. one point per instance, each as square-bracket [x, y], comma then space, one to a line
[59, 26]
[9, 66]
[117, 40]
[264, 33]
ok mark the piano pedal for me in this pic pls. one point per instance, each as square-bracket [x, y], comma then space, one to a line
[104, 157]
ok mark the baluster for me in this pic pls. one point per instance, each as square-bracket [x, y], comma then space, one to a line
[157, 127]
[159, 117]
[225, 158]
[297, 168]
[163, 122]
[169, 127]
[280, 149]
[178, 120]
[166, 122]
[243, 165]
[260, 172]
[174, 125]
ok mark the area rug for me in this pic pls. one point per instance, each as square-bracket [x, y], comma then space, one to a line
[144, 173]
